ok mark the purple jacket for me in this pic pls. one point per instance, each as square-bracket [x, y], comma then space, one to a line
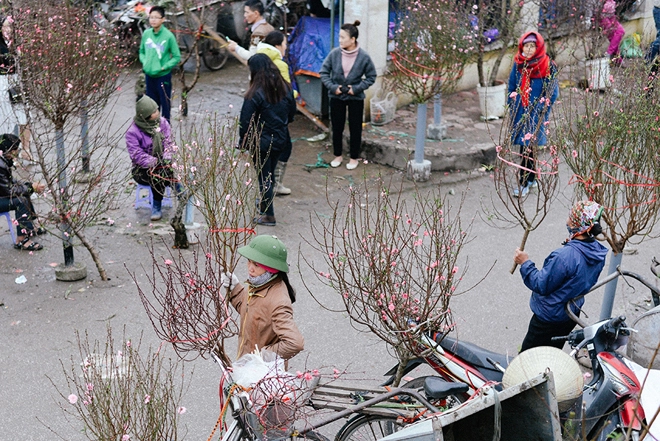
[139, 145]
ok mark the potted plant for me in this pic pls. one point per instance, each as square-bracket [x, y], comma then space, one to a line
[495, 23]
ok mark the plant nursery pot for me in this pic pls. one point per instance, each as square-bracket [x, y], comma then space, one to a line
[492, 101]
[598, 73]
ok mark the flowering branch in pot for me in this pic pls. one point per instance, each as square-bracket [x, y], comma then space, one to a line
[393, 263]
[66, 68]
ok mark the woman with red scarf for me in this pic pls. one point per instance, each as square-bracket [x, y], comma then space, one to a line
[533, 89]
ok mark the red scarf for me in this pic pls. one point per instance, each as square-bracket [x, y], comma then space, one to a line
[538, 66]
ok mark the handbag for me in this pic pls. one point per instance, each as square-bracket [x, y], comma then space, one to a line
[15, 95]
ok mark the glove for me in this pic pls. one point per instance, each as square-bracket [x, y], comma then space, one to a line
[228, 280]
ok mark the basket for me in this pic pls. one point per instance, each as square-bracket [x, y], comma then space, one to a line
[382, 110]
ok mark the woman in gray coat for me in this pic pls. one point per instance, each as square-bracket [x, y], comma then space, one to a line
[347, 72]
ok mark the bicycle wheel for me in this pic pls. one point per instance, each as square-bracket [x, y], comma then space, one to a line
[368, 428]
[214, 55]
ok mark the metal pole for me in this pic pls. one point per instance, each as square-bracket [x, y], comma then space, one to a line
[610, 288]
[420, 135]
[332, 24]
[84, 130]
[437, 109]
[61, 168]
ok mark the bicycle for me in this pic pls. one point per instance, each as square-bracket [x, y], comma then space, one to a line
[383, 408]
[212, 46]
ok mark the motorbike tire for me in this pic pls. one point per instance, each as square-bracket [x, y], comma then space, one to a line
[214, 55]
[609, 429]
[373, 427]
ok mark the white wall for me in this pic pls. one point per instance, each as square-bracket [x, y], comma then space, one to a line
[373, 16]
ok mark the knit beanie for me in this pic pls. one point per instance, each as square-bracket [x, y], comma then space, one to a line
[531, 38]
[145, 107]
[9, 142]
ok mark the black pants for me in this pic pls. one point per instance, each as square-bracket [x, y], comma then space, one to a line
[265, 162]
[24, 212]
[338, 117]
[157, 178]
[540, 333]
[528, 163]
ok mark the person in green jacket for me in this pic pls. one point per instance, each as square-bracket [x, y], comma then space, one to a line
[159, 54]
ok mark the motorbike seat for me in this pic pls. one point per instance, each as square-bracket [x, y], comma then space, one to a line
[437, 388]
[473, 354]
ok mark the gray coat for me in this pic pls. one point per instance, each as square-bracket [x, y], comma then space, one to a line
[361, 76]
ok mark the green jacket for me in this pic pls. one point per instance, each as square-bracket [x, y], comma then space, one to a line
[159, 53]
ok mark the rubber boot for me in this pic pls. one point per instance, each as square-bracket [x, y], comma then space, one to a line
[156, 210]
[280, 190]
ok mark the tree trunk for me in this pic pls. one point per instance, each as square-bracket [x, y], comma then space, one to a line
[180, 236]
[92, 251]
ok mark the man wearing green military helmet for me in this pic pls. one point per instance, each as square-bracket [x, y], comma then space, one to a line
[264, 302]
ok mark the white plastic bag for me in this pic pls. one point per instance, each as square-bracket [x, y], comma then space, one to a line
[253, 367]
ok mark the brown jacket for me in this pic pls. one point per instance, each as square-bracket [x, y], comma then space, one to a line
[266, 319]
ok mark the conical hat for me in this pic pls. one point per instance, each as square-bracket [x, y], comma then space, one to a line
[533, 362]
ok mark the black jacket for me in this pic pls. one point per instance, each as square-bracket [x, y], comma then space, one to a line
[271, 119]
[9, 188]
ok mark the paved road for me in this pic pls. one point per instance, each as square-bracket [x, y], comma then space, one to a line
[39, 317]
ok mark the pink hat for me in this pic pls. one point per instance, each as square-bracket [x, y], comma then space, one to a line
[531, 38]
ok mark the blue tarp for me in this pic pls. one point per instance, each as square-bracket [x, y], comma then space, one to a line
[309, 44]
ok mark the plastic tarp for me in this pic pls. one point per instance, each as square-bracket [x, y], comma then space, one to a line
[309, 44]
[650, 398]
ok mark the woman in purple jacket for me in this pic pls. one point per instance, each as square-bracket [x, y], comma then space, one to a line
[148, 142]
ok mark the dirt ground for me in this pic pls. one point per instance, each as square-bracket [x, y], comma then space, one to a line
[39, 317]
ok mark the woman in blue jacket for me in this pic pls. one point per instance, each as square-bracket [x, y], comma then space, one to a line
[533, 89]
[347, 72]
[567, 273]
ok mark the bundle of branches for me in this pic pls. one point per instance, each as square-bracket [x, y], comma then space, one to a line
[515, 162]
[394, 263]
[118, 391]
[433, 43]
[185, 302]
[67, 70]
[611, 141]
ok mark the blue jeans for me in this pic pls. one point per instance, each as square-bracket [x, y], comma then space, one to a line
[654, 49]
[159, 89]
[24, 212]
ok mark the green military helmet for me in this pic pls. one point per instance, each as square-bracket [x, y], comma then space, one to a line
[266, 250]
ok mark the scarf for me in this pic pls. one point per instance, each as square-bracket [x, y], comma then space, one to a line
[538, 66]
[257, 281]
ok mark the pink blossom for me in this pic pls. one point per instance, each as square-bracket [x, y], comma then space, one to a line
[181, 410]
[299, 374]
[128, 343]
[168, 262]
[308, 376]
[498, 148]
[125, 437]
[527, 136]
[454, 270]
[90, 387]
[513, 94]
[574, 153]
[73, 399]
[596, 113]
[331, 255]
[147, 398]
[391, 307]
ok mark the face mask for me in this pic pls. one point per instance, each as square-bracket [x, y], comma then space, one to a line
[260, 280]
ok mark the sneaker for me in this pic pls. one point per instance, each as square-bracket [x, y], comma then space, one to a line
[518, 193]
[266, 220]
[533, 184]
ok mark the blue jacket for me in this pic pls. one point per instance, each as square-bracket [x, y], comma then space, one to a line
[567, 272]
[528, 120]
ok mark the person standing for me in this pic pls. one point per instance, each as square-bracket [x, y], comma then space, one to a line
[13, 118]
[264, 302]
[159, 54]
[148, 141]
[613, 30]
[533, 89]
[347, 72]
[268, 108]
[274, 45]
[567, 273]
[15, 195]
[253, 12]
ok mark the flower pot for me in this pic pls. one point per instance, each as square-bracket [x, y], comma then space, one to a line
[598, 73]
[492, 100]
